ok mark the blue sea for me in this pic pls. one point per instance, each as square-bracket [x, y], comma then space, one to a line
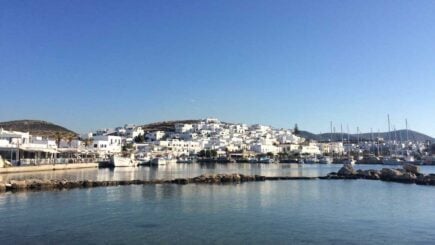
[280, 212]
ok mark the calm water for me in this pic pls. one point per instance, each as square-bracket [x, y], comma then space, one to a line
[283, 212]
[192, 170]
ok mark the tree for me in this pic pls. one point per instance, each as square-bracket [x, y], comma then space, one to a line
[139, 139]
[58, 138]
[213, 153]
[296, 129]
[70, 139]
[201, 153]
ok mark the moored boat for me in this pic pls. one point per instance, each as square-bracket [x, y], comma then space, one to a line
[119, 161]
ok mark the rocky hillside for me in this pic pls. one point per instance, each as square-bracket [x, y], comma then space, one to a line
[165, 126]
[38, 128]
[397, 135]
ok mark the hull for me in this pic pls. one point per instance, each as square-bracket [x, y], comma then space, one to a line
[123, 162]
[163, 161]
[325, 160]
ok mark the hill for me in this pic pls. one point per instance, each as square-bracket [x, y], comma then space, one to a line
[397, 135]
[165, 126]
[38, 128]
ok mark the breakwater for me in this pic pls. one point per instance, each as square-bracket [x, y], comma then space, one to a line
[407, 174]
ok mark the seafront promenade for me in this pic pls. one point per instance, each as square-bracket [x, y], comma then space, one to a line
[50, 167]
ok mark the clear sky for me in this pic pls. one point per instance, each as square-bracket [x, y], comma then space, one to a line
[94, 64]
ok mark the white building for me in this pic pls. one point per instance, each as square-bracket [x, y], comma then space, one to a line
[156, 135]
[107, 144]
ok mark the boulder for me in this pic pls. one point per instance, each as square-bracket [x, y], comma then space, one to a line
[389, 174]
[181, 181]
[425, 179]
[2, 187]
[346, 170]
[18, 184]
[405, 178]
[411, 168]
[368, 174]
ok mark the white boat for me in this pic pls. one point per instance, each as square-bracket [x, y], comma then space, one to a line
[163, 161]
[349, 160]
[392, 160]
[266, 160]
[123, 161]
[325, 160]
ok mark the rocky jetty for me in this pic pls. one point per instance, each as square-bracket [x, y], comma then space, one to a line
[39, 184]
[409, 173]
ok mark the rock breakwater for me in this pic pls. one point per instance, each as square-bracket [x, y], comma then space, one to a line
[39, 184]
[409, 173]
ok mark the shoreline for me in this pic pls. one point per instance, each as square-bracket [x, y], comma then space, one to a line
[51, 167]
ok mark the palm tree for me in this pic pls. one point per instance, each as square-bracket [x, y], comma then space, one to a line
[70, 139]
[58, 138]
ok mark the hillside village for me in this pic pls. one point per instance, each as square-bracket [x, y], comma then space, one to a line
[205, 140]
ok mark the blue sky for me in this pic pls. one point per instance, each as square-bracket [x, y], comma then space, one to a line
[94, 64]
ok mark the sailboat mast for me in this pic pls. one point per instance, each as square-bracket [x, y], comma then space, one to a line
[407, 131]
[357, 134]
[341, 129]
[389, 129]
[330, 139]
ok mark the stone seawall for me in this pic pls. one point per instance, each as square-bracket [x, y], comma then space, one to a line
[23, 169]
[408, 174]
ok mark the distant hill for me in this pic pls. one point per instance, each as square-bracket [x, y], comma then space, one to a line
[397, 135]
[165, 126]
[37, 128]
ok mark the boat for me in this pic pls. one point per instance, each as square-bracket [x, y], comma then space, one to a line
[392, 161]
[163, 161]
[119, 161]
[325, 160]
[186, 160]
[266, 160]
[311, 160]
[349, 160]
[253, 160]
